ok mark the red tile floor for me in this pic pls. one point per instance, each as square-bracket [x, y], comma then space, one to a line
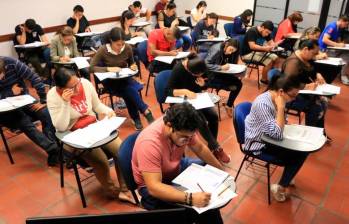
[29, 188]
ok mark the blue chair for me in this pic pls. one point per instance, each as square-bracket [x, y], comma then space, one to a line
[125, 165]
[160, 84]
[240, 113]
[228, 28]
[143, 57]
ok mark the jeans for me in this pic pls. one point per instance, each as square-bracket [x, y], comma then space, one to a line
[228, 83]
[209, 129]
[212, 216]
[23, 118]
[158, 66]
[184, 42]
[36, 56]
[128, 89]
[314, 108]
[291, 160]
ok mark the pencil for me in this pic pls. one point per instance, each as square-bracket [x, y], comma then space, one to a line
[223, 190]
[200, 187]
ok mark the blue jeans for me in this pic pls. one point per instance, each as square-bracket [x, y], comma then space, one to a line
[128, 89]
[184, 42]
[291, 160]
[212, 216]
[313, 107]
[22, 119]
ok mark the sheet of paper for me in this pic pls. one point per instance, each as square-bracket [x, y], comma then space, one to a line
[303, 133]
[31, 45]
[81, 62]
[182, 55]
[5, 106]
[216, 39]
[136, 40]
[202, 100]
[235, 69]
[90, 135]
[331, 61]
[105, 75]
[87, 34]
[19, 101]
[183, 28]
[127, 72]
[165, 59]
[141, 23]
[323, 90]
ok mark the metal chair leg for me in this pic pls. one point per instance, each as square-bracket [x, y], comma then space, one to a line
[111, 101]
[6, 146]
[219, 112]
[242, 163]
[61, 168]
[146, 90]
[78, 181]
[268, 176]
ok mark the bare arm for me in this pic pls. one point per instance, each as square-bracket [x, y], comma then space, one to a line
[155, 52]
[202, 151]
[256, 47]
[44, 39]
[328, 41]
[148, 15]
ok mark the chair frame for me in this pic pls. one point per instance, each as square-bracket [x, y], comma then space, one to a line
[7, 148]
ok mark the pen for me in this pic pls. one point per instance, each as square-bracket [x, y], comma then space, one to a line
[200, 187]
[223, 190]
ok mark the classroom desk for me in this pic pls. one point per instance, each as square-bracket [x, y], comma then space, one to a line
[235, 69]
[31, 45]
[328, 70]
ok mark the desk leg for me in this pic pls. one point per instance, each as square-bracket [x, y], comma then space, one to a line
[61, 163]
[78, 181]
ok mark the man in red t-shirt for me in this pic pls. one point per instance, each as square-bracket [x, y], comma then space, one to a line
[162, 42]
[158, 158]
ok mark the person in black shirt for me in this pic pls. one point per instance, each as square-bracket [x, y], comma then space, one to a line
[79, 23]
[258, 39]
[205, 29]
[31, 32]
[219, 56]
[186, 79]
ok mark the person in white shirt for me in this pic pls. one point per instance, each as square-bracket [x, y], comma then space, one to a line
[140, 11]
[198, 13]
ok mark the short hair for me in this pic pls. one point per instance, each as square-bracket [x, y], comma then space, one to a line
[285, 82]
[196, 64]
[171, 5]
[117, 34]
[78, 8]
[295, 17]
[176, 32]
[66, 31]
[2, 65]
[62, 76]
[30, 24]
[183, 117]
[137, 4]
[310, 44]
[344, 17]
[201, 4]
[311, 31]
[268, 25]
[212, 15]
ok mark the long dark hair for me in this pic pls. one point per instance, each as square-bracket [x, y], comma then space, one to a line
[284, 82]
[245, 14]
[127, 14]
[196, 64]
[62, 76]
[116, 34]
[171, 5]
[201, 4]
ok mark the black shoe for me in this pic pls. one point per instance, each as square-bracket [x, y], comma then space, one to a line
[138, 124]
[149, 117]
[53, 159]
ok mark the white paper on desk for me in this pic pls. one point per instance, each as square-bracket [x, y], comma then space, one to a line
[32, 45]
[127, 72]
[303, 133]
[216, 39]
[331, 61]
[87, 34]
[135, 40]
[235, 69]
[105, 75]
[183, 28]
[88, 136]
[81, 62]
[211, 180]
[201, 101]
[141, 23]
[325, 89]
[5, 106]
[169, 59]
[19, 101]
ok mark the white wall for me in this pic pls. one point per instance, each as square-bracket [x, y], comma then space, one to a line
[51, 13]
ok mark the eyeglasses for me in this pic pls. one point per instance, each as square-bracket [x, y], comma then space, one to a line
[75, 87]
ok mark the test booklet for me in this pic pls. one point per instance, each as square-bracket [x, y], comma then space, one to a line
[169, 59]
[11, 103]
[197, 178]
[202, 100]
[323, 90]
[124, 72]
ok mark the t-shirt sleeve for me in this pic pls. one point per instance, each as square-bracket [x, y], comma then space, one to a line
[149, 160]
[86, 22]
[152, 38]
[71, 22]
[18, 30]
[251, 36]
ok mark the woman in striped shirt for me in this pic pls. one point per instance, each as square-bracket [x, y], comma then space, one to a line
[267, 117]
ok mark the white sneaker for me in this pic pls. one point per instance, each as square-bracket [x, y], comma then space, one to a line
[345, 79]
[278, 192]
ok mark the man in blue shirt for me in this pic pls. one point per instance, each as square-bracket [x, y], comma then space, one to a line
[330, 37]
[13, 74]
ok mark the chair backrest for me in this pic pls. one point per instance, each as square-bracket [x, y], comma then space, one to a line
[189, 22]
[241, 39]
[240, 113]
[124, 160]
[142, 52]
[160, 84]
[228, 28]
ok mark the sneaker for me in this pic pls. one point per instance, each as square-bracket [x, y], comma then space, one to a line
[138, 124]
[149, 117]
[278, 192]
[221, 155]
[53, 159]
[345, 79]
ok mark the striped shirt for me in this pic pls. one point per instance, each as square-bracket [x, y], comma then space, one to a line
[15, 73]
[261, 120]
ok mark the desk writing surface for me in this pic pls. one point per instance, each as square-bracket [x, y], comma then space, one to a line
[234, 69]
[16, 102]
[345, 48]
[88, 34]
[31, 45]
